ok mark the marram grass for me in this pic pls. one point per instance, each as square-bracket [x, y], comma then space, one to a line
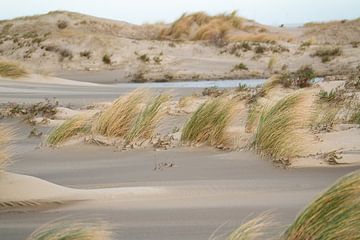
[276, 135]
[71, 231]
[117, 120]
[11, 70]
[5, 136]
[209, 122]
[254, 229]
[70, 128]
[145, 123]
[334, 215]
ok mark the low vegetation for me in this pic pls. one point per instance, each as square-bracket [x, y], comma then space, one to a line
[209, 122]
[200, 26]
[355, 116]
[239, 67]
[117, 120]
[327, 54]
[70, 128]
[276, 134]
[5, 136]
[334, 215]
[145, 123]
[70, 231]
[106, 59]
[254, 229]
[12, 70]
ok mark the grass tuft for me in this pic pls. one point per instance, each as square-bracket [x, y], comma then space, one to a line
[276, 134]
[209, 122]
[117, 120]
[70, 128]
[145, 123]
[11, 70]
[70, 231]
[334, 215]
[253, 229]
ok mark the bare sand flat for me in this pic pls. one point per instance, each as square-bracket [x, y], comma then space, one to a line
[204, 189]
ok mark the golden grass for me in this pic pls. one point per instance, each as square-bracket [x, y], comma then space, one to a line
[253, 229]
[5, 136]
[145, 123]
[201, 26]
[70, 128]
[209, 122]
[11, 70]
[334, 215]
[71, 231]
[117, 120]
[277, 134]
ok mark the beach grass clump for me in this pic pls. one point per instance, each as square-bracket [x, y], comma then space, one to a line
[5, 136]
[117, 120]
[209, 122]
[276, 135]
[63, 230]
[201, 26]
[11, 70]
[254, 229]
[334, 215]
[70, 128]
[327, 54]
[144, 125]
[355, 116]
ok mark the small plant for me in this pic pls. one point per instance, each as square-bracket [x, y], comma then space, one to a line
[85, 54]
[239, 67]
[70, 128]
[145, 58]
[11, 70]
[303, 76]
[334, 96]
[209, 122]
[355, 44]
[144, 125]
[242, 87]
[212, 92]
[157, 59]
[65, 53]
[327, 54]
[106, 59]
[271, 63]
[62, 24]
[259, 49]
[355, 116]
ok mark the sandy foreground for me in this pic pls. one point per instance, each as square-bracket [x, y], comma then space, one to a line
[132, 190]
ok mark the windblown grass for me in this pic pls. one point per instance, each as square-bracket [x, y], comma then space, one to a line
[11, 70]
[209, 122]
[70, 128]
[117, 120]
[144, 126]
[334, 215]
[276, 135]
[63, 230]
[254, 229]
[5, 136]
[201, 26]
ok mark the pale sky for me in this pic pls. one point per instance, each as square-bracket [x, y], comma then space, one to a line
[140, 11]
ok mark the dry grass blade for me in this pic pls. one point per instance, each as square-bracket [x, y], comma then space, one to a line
[5, 136]
[145, 123]
[116, 121]
[334, 215]
[11, 70]
[70, 128]
[209, 122]
[71, 231]
[253, 229]
[276, 135]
